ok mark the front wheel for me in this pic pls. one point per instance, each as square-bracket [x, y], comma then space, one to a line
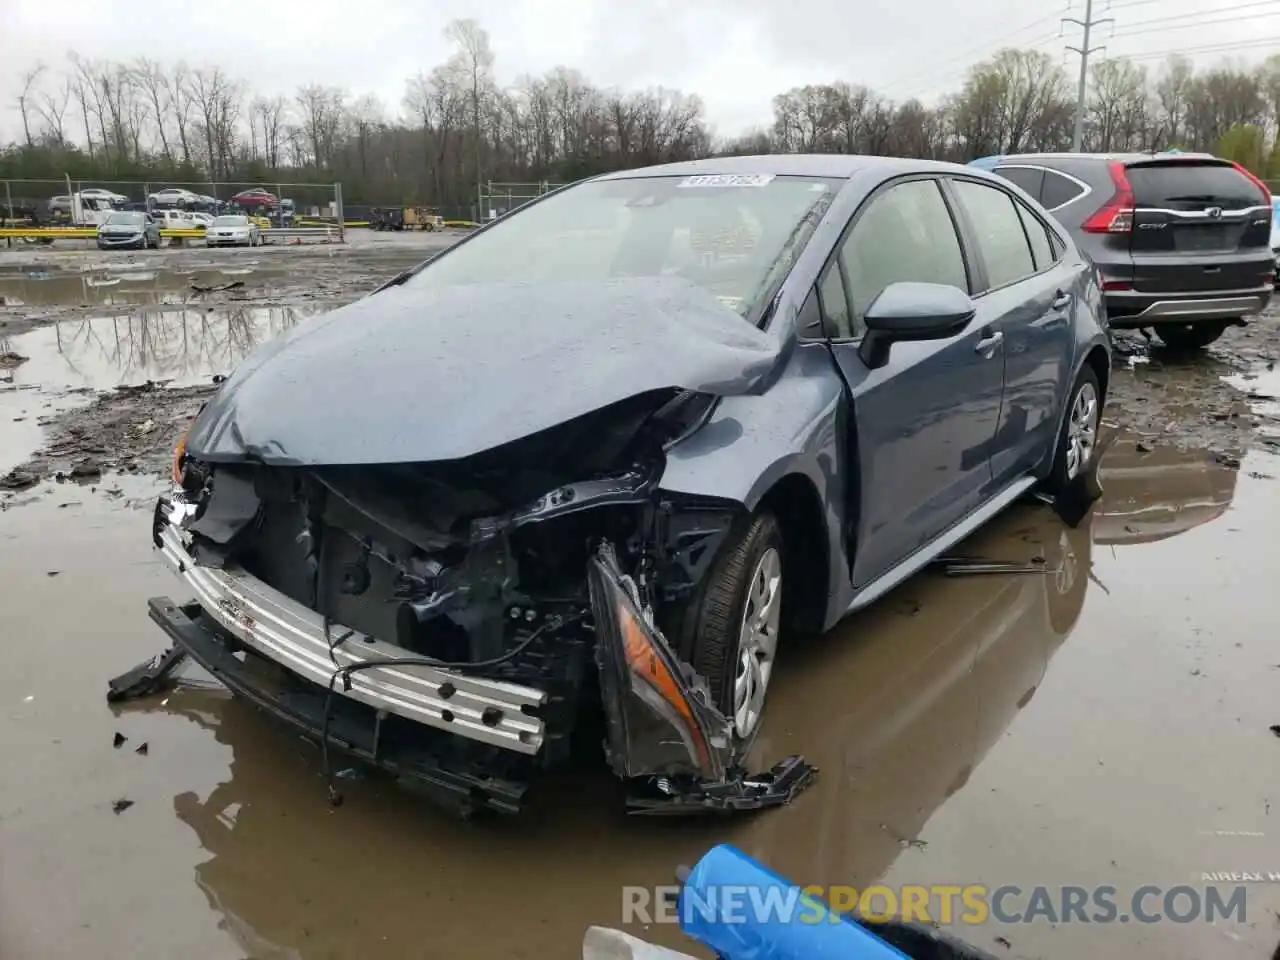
[1078, 437]
[729, 631]
[1191, 336]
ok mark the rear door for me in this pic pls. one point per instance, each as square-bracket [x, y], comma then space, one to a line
[1199, 225]
[1028, 295]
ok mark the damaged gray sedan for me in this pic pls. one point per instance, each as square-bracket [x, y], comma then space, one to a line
[604, 457]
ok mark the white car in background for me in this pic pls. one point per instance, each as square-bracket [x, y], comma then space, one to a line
[98, 193]
[202, 219]
[173, 195]
[233, 230]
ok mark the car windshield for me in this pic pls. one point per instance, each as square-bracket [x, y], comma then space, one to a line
[735, 236]
[231, 222]
[125, 220]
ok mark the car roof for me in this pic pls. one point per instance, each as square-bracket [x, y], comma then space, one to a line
[1125, 158]
[835, 165]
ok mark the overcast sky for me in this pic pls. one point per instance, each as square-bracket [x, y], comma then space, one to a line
[735, 53]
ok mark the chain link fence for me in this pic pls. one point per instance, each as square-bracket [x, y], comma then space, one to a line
[498, 199]
[69, 201]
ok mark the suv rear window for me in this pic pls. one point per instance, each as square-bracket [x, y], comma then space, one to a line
[1189, 185]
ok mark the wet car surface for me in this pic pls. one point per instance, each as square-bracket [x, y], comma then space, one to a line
[1103, 723]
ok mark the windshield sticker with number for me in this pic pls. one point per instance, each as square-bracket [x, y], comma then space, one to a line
[727, 180]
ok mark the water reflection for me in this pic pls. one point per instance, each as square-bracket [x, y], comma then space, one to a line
[125, 284]
[1152, 493]
[896, 707]
[185, 345]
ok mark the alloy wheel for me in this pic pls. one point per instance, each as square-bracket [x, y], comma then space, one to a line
[757, 642]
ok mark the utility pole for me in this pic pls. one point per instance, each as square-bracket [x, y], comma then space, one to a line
[1087, 25]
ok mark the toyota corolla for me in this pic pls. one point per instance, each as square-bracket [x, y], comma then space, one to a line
[609, 456]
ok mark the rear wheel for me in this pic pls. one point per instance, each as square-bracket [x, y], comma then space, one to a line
[1191, 336]
[729, 632]
[1078, 437]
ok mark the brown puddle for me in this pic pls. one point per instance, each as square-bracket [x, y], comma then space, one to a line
[1105, 723]
[144, 283]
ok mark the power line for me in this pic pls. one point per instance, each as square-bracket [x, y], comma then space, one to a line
[1154, 26]
[1258, 43]
[986, 47]
[961, 70]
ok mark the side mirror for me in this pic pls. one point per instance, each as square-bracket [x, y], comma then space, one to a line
[910, 311]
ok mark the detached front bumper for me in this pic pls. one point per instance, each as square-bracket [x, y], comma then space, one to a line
[281, 630]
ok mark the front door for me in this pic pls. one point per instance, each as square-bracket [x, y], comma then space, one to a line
[923, 424]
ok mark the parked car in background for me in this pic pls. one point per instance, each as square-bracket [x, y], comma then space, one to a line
[255, 197]
[201, 219]
[796, 381]
[60, 204]
[174, 196]
[1275, 233]
[110, 196]
[174, 219]
[233, 230]
[1182, 240]
[128, 229]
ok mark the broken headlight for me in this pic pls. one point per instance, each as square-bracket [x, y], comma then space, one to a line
[661, 717]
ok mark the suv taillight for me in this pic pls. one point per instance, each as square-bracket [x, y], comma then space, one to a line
[1116, 216]
[1256, 181]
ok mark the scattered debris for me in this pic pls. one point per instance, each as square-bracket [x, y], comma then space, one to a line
[1004, 943]
[1226, 460]
[84, 469]
[1275, 728]
[146, 678]
[217, 287]
[9, 360]
[120, 806]
[142, 750]
[118, 740]
[18, 479]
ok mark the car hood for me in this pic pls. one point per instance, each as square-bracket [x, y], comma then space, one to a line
[409, 375]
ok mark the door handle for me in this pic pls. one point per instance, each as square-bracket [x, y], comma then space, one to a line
[987, 345]
[1061, 301]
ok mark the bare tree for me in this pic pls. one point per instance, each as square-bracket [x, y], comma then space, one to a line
[28, 92]
[477, 57]
[52, 106]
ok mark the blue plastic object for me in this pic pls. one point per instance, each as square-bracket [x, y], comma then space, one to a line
[986, 163]
[744, 911]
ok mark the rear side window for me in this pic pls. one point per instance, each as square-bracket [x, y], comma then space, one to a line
[1058, 190]
[998, 229]
[1188, 185]
[1038, 234]
[1029, 179]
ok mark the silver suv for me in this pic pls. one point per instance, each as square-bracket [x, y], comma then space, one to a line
[1182, 241]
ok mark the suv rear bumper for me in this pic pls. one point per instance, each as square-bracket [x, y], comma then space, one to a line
[1128, 309]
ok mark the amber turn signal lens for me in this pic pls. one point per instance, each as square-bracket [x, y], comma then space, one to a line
[648, 666]
[180, 455]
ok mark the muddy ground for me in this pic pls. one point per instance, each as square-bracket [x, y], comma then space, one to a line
[1107, 724]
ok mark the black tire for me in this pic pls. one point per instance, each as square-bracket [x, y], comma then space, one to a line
[710, 627]
[1191, 336]
[1060, 473]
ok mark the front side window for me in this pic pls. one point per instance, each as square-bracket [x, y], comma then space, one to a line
[734, 236]
[124, 220]
[999, 233]
[905, 234]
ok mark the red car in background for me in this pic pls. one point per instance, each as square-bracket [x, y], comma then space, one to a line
[256, 197]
